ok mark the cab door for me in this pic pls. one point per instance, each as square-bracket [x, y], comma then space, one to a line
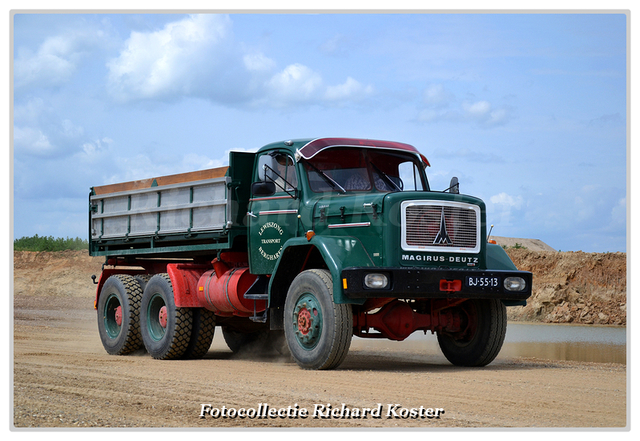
[272, 216]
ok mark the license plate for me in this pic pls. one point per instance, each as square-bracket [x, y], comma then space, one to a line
[483, 282]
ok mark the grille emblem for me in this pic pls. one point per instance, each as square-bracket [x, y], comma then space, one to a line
[442, 238]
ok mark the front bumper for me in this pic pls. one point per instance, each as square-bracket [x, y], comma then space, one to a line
[432, 283]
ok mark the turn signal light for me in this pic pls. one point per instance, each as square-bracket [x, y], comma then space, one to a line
[309, 234]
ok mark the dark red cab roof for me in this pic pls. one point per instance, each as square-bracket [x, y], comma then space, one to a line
[310, 149]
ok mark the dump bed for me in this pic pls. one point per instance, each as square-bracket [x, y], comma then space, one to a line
[188, 213]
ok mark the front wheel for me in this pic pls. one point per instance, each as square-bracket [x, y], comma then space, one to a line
[165, 329]
[318, 331]
[480, 341]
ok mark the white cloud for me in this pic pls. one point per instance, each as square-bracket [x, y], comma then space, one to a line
[94, 151]
[28, 112]
[507, 200]
[58, 57]
[32, 141]
[350, 89]
[467, 154]
[481, 113]
[170, 61]
[53, 63]
[198, 57]
[619, 212]
[478, 109]
[583, 209]
[506, 209]
[70, 130]
[333, 45]
[437, 96]
[298, 84]
[484, 113]
[39, 131]
[430, 115]
[440, 104]
[258, 62]
[295, 83]
[193, 161]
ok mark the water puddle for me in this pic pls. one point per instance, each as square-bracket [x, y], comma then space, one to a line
[598, 344]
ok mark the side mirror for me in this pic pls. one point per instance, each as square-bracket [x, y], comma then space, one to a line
[263, 188]
[454, 187]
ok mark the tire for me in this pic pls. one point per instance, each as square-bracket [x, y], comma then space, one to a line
[267, 342]
[278, 342]
[202, 330]
[166, 339]
[482, 339]
[237, 341]
[142, 279]
[318, 331]
[119, 315]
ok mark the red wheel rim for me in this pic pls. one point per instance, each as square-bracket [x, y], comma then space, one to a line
[118, 316]
[304, 321]
[162, 317]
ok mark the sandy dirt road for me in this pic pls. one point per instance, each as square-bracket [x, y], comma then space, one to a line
[62, 377]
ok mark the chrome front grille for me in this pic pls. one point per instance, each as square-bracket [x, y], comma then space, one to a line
[440, 226]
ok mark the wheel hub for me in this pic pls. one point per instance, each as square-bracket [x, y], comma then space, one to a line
[118, 316]
[307, 321]
[162, 317]
[304, 321]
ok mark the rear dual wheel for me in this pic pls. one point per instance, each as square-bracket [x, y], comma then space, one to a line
[119, 314]
[139, 311]
[170, 332]
[202, 331]
[166, 329]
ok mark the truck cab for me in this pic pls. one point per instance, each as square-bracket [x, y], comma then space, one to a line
[327, 187]
[363, 213]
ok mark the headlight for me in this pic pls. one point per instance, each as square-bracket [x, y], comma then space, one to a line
[376, 281]
[514, 284]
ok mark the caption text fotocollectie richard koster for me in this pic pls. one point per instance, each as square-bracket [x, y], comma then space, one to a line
[321, 411]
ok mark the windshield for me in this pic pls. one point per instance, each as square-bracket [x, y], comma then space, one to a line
[352, 169]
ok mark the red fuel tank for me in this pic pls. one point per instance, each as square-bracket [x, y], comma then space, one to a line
[222, 290]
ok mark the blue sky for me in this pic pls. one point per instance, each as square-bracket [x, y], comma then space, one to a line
[529, 111]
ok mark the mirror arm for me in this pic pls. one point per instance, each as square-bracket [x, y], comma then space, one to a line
[294, 195]
[454, 186]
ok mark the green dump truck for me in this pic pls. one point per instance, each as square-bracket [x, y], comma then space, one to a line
[300, 246]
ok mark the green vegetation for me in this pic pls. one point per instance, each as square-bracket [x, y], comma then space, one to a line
[44, 243]
[517, 246]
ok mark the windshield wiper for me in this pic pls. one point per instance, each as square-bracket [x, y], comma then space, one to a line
[385, 176]
[328, 178]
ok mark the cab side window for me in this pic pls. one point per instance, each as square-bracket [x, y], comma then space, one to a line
[279, 168]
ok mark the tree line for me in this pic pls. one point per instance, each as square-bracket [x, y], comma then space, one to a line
[49, 243]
